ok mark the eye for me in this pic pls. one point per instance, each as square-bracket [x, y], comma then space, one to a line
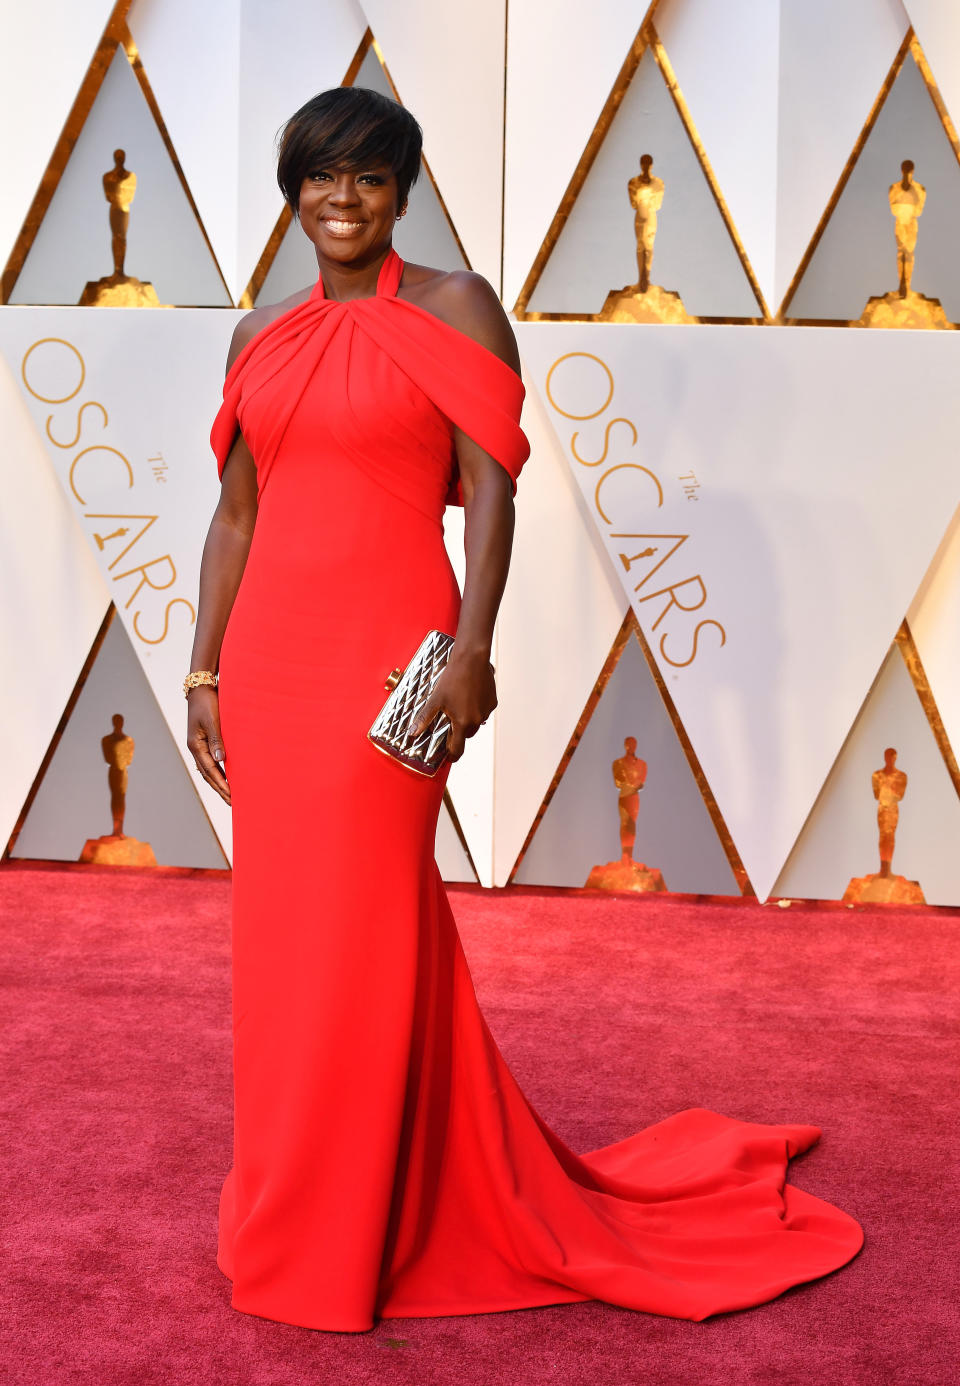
[377, 179]
[317, 175]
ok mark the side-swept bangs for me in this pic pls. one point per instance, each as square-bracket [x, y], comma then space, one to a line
[351, 128]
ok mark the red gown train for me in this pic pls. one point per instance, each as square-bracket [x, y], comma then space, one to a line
[385, 1161]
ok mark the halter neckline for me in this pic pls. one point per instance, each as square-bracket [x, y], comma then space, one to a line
[388, 282]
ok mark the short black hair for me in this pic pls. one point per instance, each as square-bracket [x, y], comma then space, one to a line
[349, 127]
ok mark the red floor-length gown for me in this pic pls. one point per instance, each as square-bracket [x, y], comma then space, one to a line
[385, 1161]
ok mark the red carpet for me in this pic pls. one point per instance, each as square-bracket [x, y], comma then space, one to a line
[613, 1014]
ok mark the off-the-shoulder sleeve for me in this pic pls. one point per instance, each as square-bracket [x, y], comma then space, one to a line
[477, 391]
[224, 431]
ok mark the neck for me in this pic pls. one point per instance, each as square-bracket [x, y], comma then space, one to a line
[356, 279]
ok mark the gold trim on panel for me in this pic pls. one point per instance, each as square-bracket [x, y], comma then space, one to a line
[133, 57]
[116, 35]
[918, 677]
[74, 123]
[426, 167]
[949, 129]
[589, 317]
[264, 265]
[706, 793]
[631, 626]
[647, 37]
[872, 117]
[609, 664]
[61, 727]
[454, 819]
[599, 133]
[356, 62]
[683, 110]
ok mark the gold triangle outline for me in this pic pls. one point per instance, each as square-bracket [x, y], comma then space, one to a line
[631, 626]
[264, 265]
[426, 167]
[918, 677]
[910, 44]
[734, 860]
[76, 119]
[139, 71]
[270, 251]
[589, 707]
[904, 642]
[455, 820]
[115, 35]
[61, 727]
[646, 38]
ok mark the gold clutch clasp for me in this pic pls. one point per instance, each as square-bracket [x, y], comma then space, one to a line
[393, 678]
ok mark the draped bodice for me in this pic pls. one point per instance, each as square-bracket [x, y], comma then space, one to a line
[377, 381]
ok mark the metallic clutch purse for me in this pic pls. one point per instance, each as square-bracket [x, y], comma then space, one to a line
[410, 689]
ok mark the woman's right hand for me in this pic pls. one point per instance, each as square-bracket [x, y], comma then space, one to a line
[204, 739]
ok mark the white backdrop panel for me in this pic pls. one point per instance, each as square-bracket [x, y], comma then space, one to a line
[833, 60]
[448, 65]
[561, 611]
[840, 838]
[289, 51]
[48, 50]
[191, 55]
[726, 62]
[562, 59]
[581, 827]
[73, 802]
[451, 859]
[127, 436]
[226, 77]
[770, 599]
[856, 256]
[937, 26]
[55, 600]
[165, 246]
[597, 249]
[934, 621]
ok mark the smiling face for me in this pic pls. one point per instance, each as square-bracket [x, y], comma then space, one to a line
[349, 214]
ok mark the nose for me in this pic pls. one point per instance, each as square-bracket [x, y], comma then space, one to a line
[344, 191]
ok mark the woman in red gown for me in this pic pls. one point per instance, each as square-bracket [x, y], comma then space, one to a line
[385, 1161]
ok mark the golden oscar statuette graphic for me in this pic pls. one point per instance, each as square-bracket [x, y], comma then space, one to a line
[629, 776]
[889, 787]
[117, 849]
[902, 307]
[119, 290]
[644, 301]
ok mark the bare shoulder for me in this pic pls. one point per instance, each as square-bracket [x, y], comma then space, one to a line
[257, 319]
[466, 301]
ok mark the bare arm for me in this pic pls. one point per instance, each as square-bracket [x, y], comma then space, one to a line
[221, 568]
[466, 690]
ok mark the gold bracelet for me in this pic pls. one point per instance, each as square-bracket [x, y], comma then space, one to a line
[200, 678]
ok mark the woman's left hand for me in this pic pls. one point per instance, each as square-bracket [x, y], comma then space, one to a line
[467, 692]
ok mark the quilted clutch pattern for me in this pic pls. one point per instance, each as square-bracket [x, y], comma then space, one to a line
[411, 688]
